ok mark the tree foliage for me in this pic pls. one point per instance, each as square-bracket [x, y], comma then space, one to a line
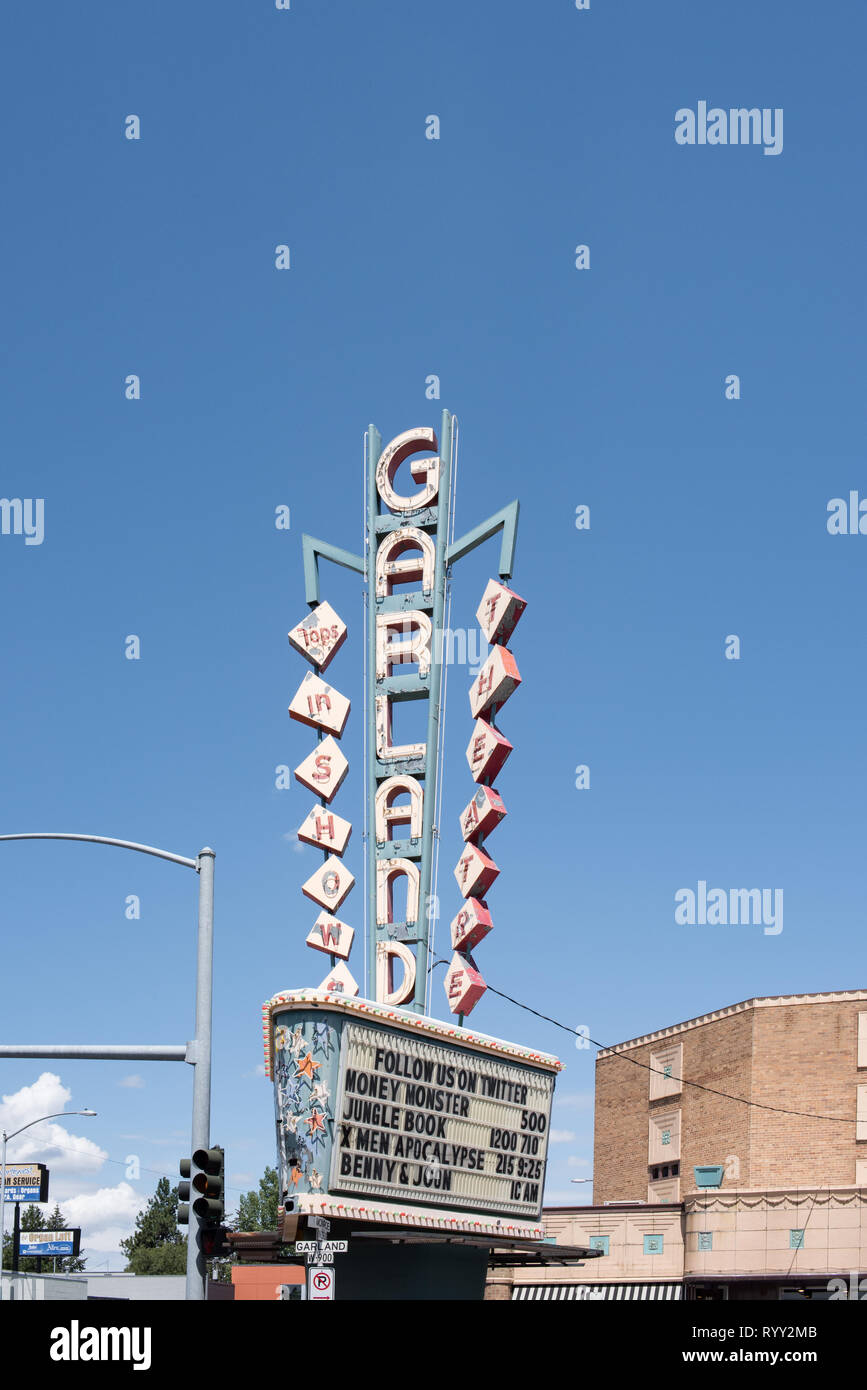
[257, 1211]
[33, 1219]
[157, 1246]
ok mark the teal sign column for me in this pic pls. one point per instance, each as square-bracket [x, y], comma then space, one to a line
[432, 519]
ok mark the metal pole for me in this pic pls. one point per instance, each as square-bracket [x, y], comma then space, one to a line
[105, 840]
[103, 1052]
[16, 1238]
[433, 721]
[198, 1052]
[374, 449]
[201, 1058]
[2, 1211]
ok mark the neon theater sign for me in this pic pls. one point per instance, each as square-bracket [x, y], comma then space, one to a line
[378, 1103]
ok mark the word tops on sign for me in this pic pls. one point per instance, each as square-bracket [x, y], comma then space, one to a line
[320, 706]
[498, 614]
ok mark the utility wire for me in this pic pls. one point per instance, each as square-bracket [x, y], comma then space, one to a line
[697, 1085]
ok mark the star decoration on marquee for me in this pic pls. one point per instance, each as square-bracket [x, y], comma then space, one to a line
[295, 1173]
[308, 1067]
[298, 1044]
[320, 1093]
[281, 1035]
[315, 1122]
[292, 1123]
[321, 1038]
[315, 1180]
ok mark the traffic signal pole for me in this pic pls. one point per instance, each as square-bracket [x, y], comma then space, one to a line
[197, 1269]
[196, 1052]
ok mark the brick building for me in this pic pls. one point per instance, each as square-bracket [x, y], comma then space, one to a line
[705, 1195]
[805, 1052]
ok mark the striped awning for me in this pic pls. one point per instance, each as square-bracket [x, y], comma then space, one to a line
[599, 1293]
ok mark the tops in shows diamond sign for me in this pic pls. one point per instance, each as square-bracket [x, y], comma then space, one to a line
[428, 1123]
[319, 636]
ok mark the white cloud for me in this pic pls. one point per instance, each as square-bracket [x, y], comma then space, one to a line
[47, 1142]
[105, 1216]
[579, 1100]
[574, 1162]
[135, 1083]
[298, 846]
[561, 1136]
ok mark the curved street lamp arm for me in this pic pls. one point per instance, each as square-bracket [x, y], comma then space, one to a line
[105, 840]
[53, 1116]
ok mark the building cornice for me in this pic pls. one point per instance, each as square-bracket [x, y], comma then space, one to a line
[848, 996]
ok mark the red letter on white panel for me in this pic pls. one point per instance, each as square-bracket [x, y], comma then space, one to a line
[331, 935]
[319, 636]
[329, 885]
[499, 612]
[487, 751]
[323, 770]
[340, 981]
[482, 815]
[325, 830]
[463, 984]
[471, 925]
[320, 705]
[475, 872]
[497, 680]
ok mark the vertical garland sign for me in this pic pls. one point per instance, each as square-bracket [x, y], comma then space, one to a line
[407, 563]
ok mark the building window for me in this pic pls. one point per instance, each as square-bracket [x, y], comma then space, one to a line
[705, 1240]
[675, 1170]
[600, 1243]
[666, 1136]
[653, 1245]
[796, 1239]
[862, 1040]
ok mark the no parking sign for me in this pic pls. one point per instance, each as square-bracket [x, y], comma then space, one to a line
[320, 1283]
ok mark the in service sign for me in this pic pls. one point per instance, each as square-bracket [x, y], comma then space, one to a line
[420, 1121]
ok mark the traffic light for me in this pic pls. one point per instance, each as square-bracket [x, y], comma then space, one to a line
[214, 1243]
[208, 1184]
[184, 1194]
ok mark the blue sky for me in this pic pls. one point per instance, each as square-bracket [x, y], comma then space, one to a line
[603, 387]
